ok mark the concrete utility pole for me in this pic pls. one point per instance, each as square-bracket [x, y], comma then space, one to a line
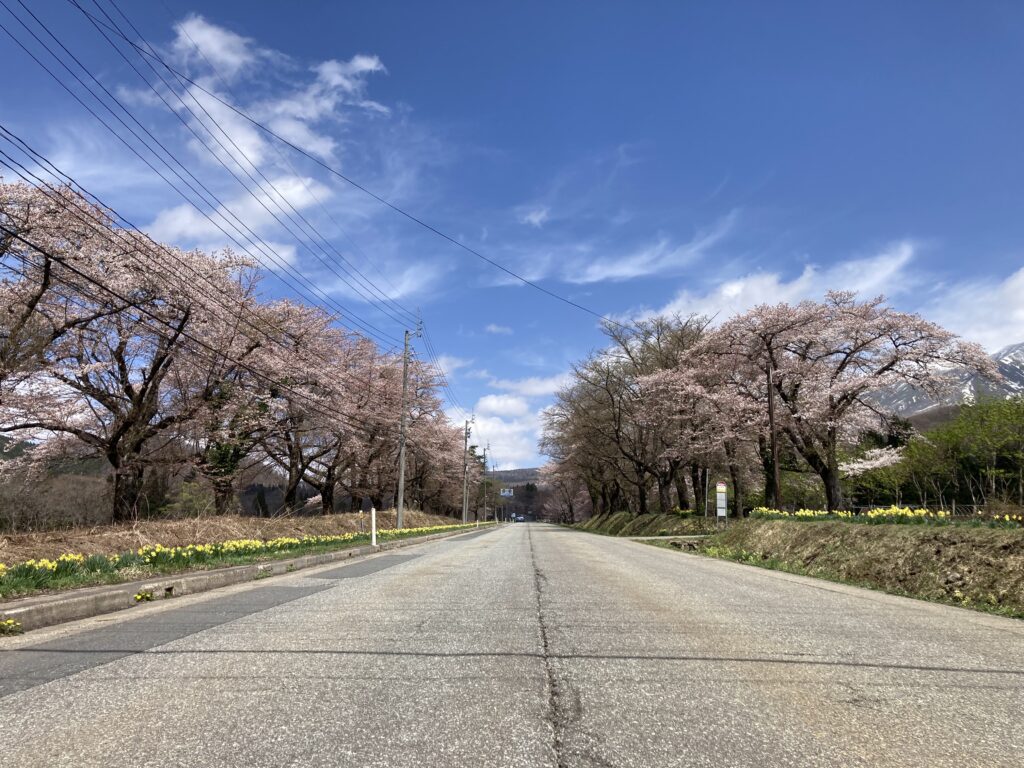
[484, 484]
[494, 474]
[465, 476]
[776, 481]
[400, 504]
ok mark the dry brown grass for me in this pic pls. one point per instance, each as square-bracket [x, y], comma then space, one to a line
[968, 565]
[111, 539]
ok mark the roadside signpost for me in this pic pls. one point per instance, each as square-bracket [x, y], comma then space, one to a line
[373, 526]
[722, 499]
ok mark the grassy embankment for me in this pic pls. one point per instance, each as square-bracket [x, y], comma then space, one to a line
[45, 562]
[972, 566]
[625, 524]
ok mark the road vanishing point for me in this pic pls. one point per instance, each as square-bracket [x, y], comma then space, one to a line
[528, 645]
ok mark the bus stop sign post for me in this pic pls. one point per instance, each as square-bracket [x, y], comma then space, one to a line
[721, 496]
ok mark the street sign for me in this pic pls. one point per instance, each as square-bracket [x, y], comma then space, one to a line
[722, 498]
[507, 492]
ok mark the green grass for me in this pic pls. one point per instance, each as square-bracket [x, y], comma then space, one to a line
[669, 524]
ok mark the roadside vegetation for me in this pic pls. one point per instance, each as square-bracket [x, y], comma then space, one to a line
[70, 570]
[157, 381]
[671, 524]
[672, 406]
[970, 566]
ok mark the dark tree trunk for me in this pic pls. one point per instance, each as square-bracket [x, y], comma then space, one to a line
[699, 494]
[291, 491]
[664, 494]
[641, 499]
[737, 482]
[127, 492]
[765, 451]
[223, 494]
[681, 492]
[833, 488]
[327, 492]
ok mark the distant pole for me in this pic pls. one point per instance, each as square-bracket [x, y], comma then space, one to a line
[776, 480]
[465, 475]
[373, 526]
[399, 517]
[484, 484]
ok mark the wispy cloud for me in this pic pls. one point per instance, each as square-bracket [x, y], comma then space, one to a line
[883, 273]
[227, 51]
[662, 257]
[535, 217]
[532, 386]
[449, 364]
[498, 330]
[989, 311]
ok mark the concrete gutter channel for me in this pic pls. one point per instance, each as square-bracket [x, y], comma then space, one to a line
[46, 610]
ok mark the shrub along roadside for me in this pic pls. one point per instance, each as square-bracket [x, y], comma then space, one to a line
[78, 570]
[894, 514]
[627, 524]
[968, 566]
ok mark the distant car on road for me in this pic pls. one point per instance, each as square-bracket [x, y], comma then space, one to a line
[520, 518]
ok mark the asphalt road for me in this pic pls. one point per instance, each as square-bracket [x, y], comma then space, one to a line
[525, 646]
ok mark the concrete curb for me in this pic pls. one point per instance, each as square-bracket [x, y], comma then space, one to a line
[46, 610]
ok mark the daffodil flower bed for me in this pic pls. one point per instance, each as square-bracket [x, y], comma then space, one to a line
[74, 570]
[893, 514]
[10, 627]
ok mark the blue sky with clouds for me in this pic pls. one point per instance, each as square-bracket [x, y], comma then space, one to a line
[633, 157]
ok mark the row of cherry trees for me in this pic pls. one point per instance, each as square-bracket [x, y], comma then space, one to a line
[112, 345]
[671, 402]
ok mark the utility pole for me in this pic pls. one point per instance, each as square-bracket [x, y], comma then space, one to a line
[465, 476]
[776, 481]
[484, 484]
[401, 430]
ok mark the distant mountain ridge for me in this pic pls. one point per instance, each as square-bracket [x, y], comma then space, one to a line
[964, 387]
[517, 476]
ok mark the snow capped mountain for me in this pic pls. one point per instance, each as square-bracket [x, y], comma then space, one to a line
[963, 386]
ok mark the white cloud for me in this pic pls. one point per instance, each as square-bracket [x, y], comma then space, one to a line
[884, 273]
[184, 225]
[535, 217]
[500, 330]
[449, 364]
[533, 386]
[502, 405]
[511, 428]
[989, 311]
[235, 141]
[227, 51]
[660, 257]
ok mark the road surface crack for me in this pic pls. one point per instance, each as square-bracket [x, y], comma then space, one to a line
[556, 715]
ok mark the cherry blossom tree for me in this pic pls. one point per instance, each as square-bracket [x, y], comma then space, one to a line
[827, 360]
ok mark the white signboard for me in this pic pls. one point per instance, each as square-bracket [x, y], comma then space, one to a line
[507, 492]
[722, 498]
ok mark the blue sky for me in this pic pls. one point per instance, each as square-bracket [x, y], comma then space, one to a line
[633, 157]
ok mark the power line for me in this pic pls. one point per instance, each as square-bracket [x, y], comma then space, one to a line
[218, 206]
[382, 200]
[410, 316]
[215, 353]
[258, 324]
[345, 278]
